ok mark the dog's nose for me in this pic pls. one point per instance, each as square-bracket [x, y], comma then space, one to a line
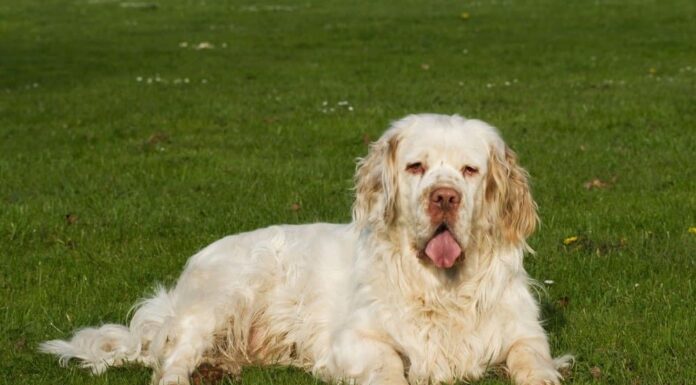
[445, 199]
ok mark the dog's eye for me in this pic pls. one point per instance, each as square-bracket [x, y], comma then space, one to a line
[469, 170]
[416, 168]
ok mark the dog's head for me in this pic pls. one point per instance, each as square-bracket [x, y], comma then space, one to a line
[447, 183]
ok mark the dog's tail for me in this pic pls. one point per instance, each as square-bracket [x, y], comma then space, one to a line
[114, 345]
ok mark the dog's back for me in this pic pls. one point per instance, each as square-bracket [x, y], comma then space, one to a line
[263, 294]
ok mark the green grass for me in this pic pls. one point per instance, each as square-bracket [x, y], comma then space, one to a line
[151, 172]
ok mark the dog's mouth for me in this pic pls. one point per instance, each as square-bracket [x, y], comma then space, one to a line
[442, 249]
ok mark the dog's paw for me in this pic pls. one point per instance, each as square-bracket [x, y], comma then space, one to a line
[539, 375]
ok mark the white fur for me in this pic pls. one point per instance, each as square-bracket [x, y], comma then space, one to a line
[356, 302]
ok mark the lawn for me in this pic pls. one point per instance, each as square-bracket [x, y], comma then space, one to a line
[134, 133]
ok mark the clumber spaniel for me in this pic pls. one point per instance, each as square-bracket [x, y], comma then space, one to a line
[426, 285]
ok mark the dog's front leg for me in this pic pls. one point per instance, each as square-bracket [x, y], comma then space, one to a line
[525, 347]
[530, 363]
[366, 358]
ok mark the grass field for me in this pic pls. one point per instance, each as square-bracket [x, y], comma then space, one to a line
[133, 134]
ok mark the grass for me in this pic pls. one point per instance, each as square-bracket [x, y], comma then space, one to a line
[150, 171]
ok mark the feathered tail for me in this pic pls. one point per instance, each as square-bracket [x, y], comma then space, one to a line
[114, 345]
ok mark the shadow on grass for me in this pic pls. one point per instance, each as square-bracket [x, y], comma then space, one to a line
[260, 375]
[553, 313]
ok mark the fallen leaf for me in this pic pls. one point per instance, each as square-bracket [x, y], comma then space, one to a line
[366, 139]
[207, 374]
[563, 302]
[156, 138]
[596, 372]
[570, 240]
[71, 219]
[595, 183]
[20, 343]
[295, 207]
[425, 66]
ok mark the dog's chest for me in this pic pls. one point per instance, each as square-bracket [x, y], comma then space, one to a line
[440, 342]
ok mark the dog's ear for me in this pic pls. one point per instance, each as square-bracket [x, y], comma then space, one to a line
[513, 211]
[376, 183]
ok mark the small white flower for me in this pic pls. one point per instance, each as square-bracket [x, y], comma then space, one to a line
[489, 85]
[549, 281]
[183, 44]
[186, 80]
[139, 79]
[204, 45]
[350, 108]
[204, 81]
[342, 103]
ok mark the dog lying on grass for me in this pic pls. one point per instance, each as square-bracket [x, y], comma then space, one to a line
[426, 285]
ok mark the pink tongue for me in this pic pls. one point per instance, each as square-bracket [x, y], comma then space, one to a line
[443, 250]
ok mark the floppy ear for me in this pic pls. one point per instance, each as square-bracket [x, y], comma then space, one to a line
[513, 210]
[376, 184]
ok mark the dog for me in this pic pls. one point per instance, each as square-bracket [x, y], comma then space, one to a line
[425, 285]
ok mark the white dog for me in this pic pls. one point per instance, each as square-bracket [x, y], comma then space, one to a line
[425, 286]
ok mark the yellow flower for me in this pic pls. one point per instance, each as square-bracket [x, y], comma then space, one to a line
[464, 15]
[692, 230]
[570, 240]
